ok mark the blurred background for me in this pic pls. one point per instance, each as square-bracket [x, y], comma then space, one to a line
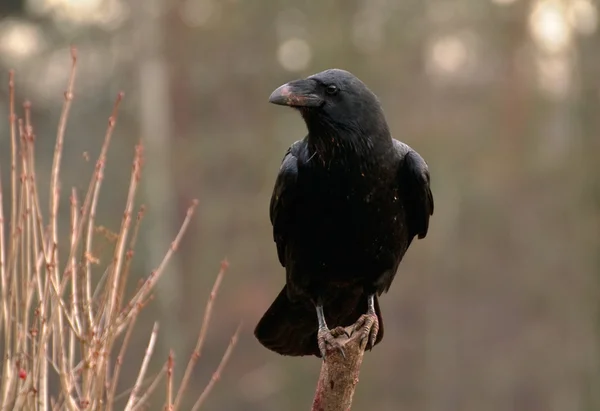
[497, 309]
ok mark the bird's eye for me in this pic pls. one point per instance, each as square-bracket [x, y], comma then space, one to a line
[331, 89]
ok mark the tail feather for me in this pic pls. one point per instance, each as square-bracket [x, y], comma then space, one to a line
[290, 328]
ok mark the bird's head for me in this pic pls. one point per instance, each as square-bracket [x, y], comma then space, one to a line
[333, 100]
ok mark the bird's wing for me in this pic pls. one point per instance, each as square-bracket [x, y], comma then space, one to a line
[413, 179]
[283, 199]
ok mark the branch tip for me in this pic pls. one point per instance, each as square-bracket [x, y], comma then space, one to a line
[339, 374]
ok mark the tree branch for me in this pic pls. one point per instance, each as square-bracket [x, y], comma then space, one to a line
[339, 375]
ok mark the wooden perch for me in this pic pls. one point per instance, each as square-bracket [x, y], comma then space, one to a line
[339, 375]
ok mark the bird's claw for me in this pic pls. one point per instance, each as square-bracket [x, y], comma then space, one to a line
[339, 331]
[327, 340]
[368, 324]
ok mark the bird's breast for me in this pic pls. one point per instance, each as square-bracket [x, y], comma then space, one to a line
[349, 218]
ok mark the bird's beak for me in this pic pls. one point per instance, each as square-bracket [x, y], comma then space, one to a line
[297, 93]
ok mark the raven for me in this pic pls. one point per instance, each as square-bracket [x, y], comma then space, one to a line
[347, 203]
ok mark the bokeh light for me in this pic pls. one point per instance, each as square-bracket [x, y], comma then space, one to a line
[19, 40]
[503, 2]
[199, 13]
[449, 54]
[554, 76]
[583, 16]
[108, 14]
[294, 54]
[549, 26]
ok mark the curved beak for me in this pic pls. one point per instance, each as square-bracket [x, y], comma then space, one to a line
[297, 93]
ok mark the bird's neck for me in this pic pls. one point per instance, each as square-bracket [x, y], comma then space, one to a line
[338, 146]
[333, 152]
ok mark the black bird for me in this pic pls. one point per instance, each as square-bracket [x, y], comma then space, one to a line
[347, 203]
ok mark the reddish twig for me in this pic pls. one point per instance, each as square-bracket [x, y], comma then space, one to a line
[170, 367]
[140, 378]
[144, 398]
[201, 336]
[217, 374]
[144, 290]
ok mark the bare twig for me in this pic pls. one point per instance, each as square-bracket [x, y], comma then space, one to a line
[170, 367]
[119, 363]
[4, 281]
[144, 398]
[109, 312]
[14, 157]
[140, 378]
[99, 176]
[129, 256]
[201, 337]
[58, 148]
[155, 275]
[217, 374]
[73, 269]
[52, 268]
[125, 224]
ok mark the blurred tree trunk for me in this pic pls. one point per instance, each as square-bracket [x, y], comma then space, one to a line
[156, 133]
[178, 36]
[589, 109]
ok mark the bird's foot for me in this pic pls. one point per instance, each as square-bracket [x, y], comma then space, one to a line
[327, 340]
[368, 325]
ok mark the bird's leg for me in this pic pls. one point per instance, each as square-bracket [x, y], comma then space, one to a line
[368, 323]
[326, 338]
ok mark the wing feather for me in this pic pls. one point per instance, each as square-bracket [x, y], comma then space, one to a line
[414, 182]
[283, 201]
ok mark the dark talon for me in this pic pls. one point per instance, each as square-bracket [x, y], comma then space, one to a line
[369, 323]
[327, 341]
[339, 331]
[369, 326]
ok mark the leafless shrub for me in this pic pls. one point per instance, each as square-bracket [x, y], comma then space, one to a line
[53, 317]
